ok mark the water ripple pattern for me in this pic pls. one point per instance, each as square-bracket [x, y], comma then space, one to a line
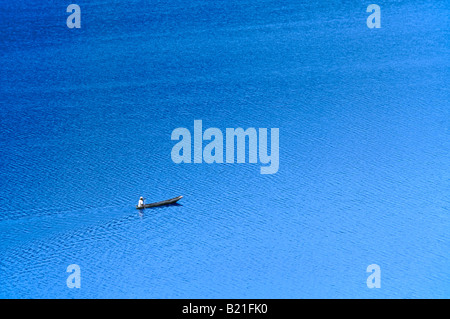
[85, 125]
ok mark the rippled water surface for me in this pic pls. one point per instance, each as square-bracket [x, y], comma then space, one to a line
[85, 125]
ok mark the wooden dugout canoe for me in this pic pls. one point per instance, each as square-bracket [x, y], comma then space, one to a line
[162, 203]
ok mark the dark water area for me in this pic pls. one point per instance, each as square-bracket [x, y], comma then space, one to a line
[364, 149]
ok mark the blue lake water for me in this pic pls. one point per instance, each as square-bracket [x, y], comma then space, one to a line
[85, 129]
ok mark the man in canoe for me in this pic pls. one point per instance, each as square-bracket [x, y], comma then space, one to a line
[141, 202]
